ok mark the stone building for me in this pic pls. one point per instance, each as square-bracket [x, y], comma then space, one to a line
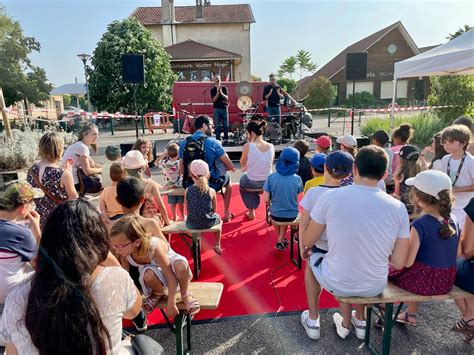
[385, 47]
[204, 39]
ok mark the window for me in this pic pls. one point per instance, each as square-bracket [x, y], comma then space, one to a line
[386, 89]
[359, 87]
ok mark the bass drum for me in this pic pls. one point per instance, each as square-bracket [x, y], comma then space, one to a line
[273, 131]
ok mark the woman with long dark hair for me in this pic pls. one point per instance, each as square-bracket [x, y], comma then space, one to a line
[256, 160]
[75, 302]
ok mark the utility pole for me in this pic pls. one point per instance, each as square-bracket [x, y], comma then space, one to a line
[3, 109]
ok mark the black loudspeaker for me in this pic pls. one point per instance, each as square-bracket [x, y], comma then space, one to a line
[356, 66]
[133, 68]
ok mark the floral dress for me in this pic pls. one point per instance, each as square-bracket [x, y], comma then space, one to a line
[51, 181]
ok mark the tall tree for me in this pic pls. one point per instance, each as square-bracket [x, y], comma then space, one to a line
[107, 91]
[301, 64]
[19, 78]
[459, 32]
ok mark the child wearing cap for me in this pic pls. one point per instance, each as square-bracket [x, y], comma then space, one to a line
[109, 207]
[169, 164]
[459, 165]
[323, 145]
[18, 243]
[348, 143]
[434, 239]
[380, 139]
[202, 201]
[408, 168]
[304, 167]
[281, 192]
[317, 168]
[112, 155]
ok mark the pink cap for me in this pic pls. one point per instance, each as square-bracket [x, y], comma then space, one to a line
[199, 168]
[323, 142]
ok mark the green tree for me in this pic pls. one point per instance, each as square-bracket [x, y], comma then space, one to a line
[320, 93]
[289, 85]
[459, 32]
[107, 91]
[19, 78]
[301, 64]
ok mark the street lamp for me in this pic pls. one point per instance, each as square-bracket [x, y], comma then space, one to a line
[84, 58]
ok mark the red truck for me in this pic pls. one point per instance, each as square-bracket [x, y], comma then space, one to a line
[194, 98]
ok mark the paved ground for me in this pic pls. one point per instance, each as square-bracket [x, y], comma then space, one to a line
[284, 334]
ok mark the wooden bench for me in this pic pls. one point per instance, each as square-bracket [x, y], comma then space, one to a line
[294, 227]
[181, 229]
[393, 294]
[208, 294]
[178, 191]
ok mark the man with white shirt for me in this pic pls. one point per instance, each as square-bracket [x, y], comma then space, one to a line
[366, 229]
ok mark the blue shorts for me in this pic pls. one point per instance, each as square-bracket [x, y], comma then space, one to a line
[173, 200]
[224, 181]
[465, 275]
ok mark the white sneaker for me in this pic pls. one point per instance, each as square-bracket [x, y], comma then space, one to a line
[359, 326]
[342, 331]
[313, 331]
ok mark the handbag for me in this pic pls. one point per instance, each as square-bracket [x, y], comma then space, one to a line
[45, 190]
[88, 184]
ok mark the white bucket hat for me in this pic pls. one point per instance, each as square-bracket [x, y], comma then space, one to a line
[133, 160]
[431, 182]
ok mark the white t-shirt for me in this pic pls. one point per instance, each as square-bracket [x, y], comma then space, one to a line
[74, 152]
[259, 164]
[466, 178]
[113, 291]
[362, 226]
[309, 202]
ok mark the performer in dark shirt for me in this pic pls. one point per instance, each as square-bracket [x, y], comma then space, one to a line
[272, 94]
[220, 101]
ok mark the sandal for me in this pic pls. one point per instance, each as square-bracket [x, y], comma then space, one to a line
[250, 218]
[192, 307]
[463, 326]
[406, 318]
[468, 338]
[218, 250]
[228, 218]
[149, 303]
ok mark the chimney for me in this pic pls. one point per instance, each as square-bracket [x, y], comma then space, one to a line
[167, 11]
[199, 9]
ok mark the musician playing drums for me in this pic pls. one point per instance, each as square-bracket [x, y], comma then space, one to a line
[220, 101]
[272, 94]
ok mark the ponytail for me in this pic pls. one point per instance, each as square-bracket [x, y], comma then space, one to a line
[446, 230]
[202, 183]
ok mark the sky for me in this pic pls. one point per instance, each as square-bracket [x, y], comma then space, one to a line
[324, 28]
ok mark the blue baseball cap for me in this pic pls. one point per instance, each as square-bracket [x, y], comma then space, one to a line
[318, 161]
[339, 163]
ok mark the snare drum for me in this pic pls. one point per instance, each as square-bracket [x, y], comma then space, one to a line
[273, 131]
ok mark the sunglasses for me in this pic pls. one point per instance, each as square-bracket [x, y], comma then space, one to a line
[122, 246]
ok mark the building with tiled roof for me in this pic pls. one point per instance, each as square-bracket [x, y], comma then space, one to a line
[384, 47]
[202, 40]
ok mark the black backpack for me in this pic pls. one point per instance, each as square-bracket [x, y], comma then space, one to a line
[193, 149]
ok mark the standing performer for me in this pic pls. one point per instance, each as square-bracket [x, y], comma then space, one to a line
[272, 94]
[220, 101]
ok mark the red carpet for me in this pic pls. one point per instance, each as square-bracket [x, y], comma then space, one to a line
[246, 267]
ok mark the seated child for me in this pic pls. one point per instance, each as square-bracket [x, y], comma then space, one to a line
[18, 243]
[112, 155]
[338, 166]
[169, 163]
[281, 193]
[317, 169]
[158, 264]
[348, 143]
[409, 166]
[323, 145]
[109, 207]
[434, 240]
[202, 201]
[144, 147]
[304, 167]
